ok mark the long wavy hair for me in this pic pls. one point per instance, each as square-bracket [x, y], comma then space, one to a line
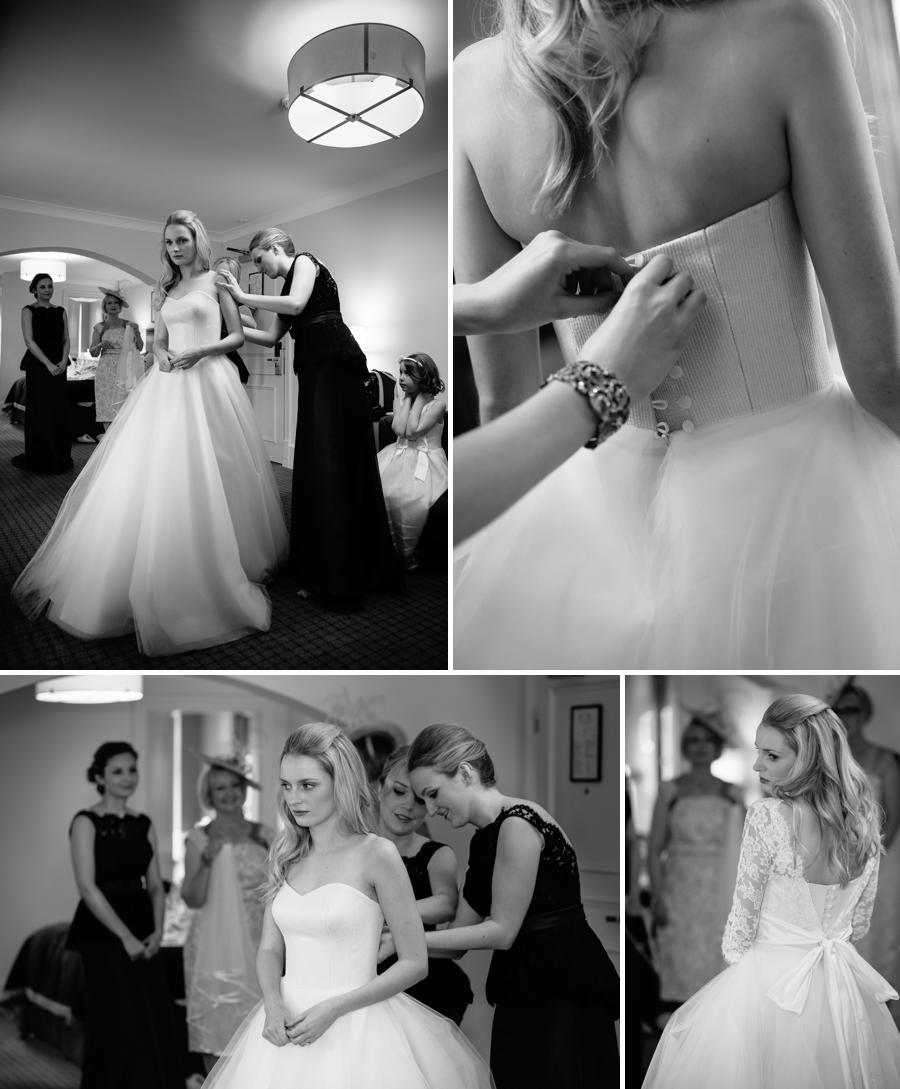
[581, 57]
[335, 754]
[827, 778]
[171, 273]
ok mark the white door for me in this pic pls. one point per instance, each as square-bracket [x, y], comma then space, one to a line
[581, 715]
[265, 388]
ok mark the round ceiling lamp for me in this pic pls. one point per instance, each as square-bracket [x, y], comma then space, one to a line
[91, 688]
[356, 85]
[34, 266]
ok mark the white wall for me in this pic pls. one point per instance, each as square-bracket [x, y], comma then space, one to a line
[388, 254]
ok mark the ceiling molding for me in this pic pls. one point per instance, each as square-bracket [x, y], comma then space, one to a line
[61, 211]
[437, 164]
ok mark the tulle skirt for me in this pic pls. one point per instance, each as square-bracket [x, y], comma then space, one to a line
[172, 525]
[764, 541]
[412, 481]
[731, 1032]
[394, 1044]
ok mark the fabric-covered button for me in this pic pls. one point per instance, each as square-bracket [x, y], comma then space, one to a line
[684, 402]
[677, 371]
[688, 426]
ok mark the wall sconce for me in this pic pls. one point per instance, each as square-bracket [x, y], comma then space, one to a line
[91, 688]
[32, 266]
[356, 85]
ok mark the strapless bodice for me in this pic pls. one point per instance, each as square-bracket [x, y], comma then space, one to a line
[759, 341]
[193, 319]
[331, 936]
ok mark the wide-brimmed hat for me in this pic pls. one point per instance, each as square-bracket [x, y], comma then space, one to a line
[712, 718]
[116, 294]
[235, 763]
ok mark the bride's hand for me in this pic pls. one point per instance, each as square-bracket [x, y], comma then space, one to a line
[310, 1025]
[184, 360]
[163, 359]
[275, 1028]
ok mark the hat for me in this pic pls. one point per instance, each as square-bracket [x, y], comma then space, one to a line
[712, 719]
[116, 294]
[236, 763]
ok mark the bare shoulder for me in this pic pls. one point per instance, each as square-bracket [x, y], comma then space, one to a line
[380, 852]
[477, 71]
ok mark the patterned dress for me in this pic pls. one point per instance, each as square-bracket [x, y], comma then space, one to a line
[698, 877]
[108, 394]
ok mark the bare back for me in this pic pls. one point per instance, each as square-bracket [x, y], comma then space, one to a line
[735, 100]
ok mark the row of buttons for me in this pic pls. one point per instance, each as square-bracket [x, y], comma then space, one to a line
[659, 404]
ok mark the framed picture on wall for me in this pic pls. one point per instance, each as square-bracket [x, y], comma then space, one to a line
[256, 284]
[585, 748]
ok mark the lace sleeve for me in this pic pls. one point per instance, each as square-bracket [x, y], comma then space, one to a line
[752, 875]
[862, 913]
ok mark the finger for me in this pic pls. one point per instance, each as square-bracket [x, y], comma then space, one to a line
[576, 306]
[657, 270]
[693, 303]
[586, 256]
[680, 285]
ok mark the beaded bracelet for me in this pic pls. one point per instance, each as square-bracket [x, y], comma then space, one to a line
[605, 393]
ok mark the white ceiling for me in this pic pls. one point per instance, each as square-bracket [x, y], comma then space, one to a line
[136, 109]
[79, 269]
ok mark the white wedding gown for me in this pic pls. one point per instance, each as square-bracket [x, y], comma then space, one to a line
[747, 517]
[331, 938]
[798, 1007]
[176, 519]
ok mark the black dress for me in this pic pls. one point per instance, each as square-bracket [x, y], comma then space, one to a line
[48, 440]
[341, 544]
[446, 987]
[555, 990]
[130, 1040]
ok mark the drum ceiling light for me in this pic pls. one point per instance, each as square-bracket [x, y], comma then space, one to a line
[356, 85]
[91, 688]
[33, 266]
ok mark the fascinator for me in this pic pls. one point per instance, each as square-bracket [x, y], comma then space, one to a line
[236, 763]
[116, 294]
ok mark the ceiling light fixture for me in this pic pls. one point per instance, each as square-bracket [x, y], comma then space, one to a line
[91, 688]
[34, 266]
[356, 85]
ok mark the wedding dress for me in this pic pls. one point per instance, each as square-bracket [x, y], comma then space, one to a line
[798, 1007]
[747, 516]
[176, 518]
[331, 937]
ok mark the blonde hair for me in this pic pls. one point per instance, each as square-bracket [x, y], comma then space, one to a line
[330, 747]
[171, 274]
[272, 236]
[827, 778]
[581, 57]
[444, 747]
[234, 266]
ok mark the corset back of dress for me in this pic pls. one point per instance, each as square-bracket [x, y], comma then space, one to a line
[193, 319]
[822, 910]
[759, 341]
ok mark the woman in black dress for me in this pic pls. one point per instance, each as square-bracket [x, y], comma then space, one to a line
[554, 989]
[340, 539]
[432, 872]
[117, 929]
[48, 443]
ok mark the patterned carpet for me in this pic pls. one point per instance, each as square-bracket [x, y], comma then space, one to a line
[27, 1064]
[408, 632]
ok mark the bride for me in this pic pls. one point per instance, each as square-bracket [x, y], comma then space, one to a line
[327, 1018]
[798, 1007]
[747, 516]
[176, 519]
